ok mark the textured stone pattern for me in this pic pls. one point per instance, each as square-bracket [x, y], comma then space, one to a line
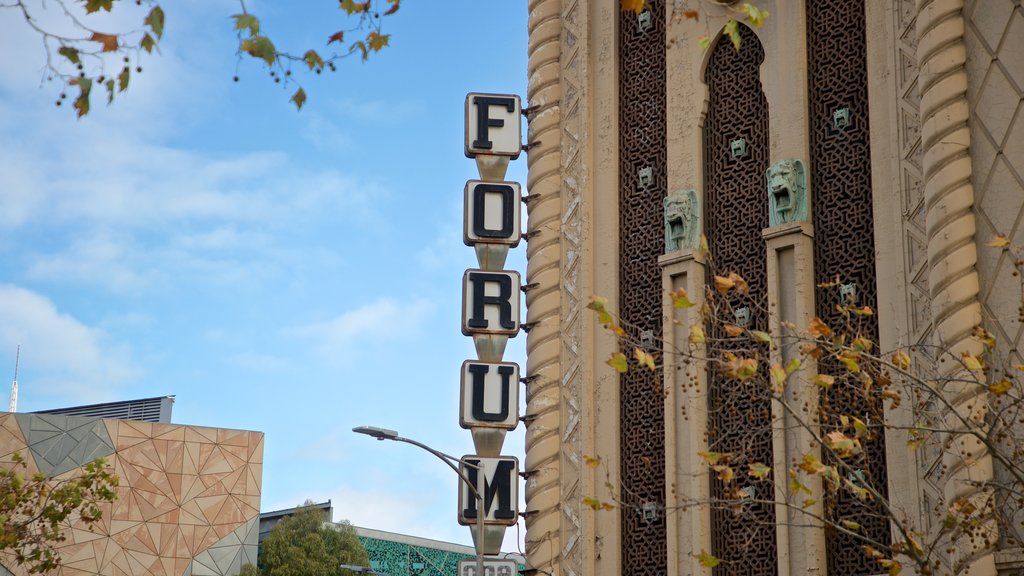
[908, 119]
[188, 500]
[995, 85]
[844, 247]
[736, 210]
[642, 188]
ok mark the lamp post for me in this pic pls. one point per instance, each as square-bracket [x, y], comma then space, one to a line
[478, 490]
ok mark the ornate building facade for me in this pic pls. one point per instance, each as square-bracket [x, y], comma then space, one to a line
[904, 123]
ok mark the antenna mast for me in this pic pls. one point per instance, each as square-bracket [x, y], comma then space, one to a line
[13, 407]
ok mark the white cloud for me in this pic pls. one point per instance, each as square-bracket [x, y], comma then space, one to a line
[61, 356]
[382, 320]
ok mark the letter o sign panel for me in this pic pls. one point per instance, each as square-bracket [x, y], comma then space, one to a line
[493, 213]
[490, 302]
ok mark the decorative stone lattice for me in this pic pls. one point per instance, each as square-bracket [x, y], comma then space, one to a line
[844, 247]
[642, 187]
[736, 210]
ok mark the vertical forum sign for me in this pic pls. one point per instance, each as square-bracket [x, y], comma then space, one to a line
[491, 315]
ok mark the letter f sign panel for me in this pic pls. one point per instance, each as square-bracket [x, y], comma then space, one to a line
[493, 125]
[499, 487]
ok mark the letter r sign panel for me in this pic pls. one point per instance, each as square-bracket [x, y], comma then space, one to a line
[493, 125]
[499, 487]
[490, 302]
[490, 395]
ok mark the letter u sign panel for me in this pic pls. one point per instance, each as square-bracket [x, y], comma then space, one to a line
[493, 125]
[500, 489]
[490, 395]
[490, 302]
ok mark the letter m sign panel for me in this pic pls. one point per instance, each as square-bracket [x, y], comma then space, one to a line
[497, 480]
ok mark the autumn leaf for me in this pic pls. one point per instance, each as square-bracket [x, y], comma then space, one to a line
[759, 471]
[247, 22]
[862, 344]
[707, 560]
[697, 334]
[732, 330]
[893, 567]
[634, 6]
[810, 464]
[155, 21]
[741, 368]
[109, 85]
[338, 36]
[863, 311]
[643, 358]
[592, 462]
[69, 53]
[147, 43]
[598, 304]
[109, 41]
[841, 444]
[999, 241]
[778, 378]
[849, 359]
[82, 102]
[618, 362]
[860, 429]
[1001, 387]
[760, 336]
[892, 395]
[901, 360]
[592, 503]
[818, 329]
[376, 41]
[123, 78]
[850, 525]
[680, 299]
[691, 15]
[741, 285]
[350, 7]
[808, 502]
[313, 60]
[361, 46]
[984, 336]
[96, 5]
[299, 98]
[714, 457]
[725, 473]
[260, 47]
[755, 15]
[972, 362]
[824, 380]
[723, 284]
[732, 31]
[795, 486]
[793, 365]
[393, 8]
[831, 284]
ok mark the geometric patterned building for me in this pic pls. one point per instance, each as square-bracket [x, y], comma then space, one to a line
[909, 118]
[187, 503]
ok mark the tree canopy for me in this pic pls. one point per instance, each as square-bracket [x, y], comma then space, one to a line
[302, 545]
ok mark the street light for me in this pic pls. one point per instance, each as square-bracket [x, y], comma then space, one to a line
[478, 490]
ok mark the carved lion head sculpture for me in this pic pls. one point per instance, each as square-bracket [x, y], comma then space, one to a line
[787, 192]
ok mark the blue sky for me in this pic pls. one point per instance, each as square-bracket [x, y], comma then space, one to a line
[297, 273]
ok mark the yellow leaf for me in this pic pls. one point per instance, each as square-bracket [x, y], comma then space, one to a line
[818, 328]
[759, 471]
[377, 41]
[999, 241]
[707, 560]
[832, 284]
[893, 567]
[984, 336]
[723, 284]
[824, 380]
[618, 362]
[793, 365]
[592, 462]
[849, 359]
[850, 525]
[643, 358]
[755, 15]
[901, 360]
[795, 486]
[778, 377]
[697, 334]
[680, 299]
[725, 473]
[732, 330]
[860, 429]
[807, 503]
[634, 6]
[299, 98]
[732, 31]
[760, 336]
[972, 362]
[313, 60]
[892, 395]
[592, 503]
[863, 311]
[862, 344]
[1001, 387]
[714, 457]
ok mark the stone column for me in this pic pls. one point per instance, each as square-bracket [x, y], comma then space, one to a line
[790, 259]
[952, 251]
[686, 413]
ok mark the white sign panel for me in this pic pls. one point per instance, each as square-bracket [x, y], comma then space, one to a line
[467, 567]
[490, 395]
[500, 489]
[493, 213]
[490, 302]
[493, 125]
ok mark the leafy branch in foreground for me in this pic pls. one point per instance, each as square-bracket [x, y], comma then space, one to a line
[86, 56]
[684, 10]
[831, 386]
[35, 510]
